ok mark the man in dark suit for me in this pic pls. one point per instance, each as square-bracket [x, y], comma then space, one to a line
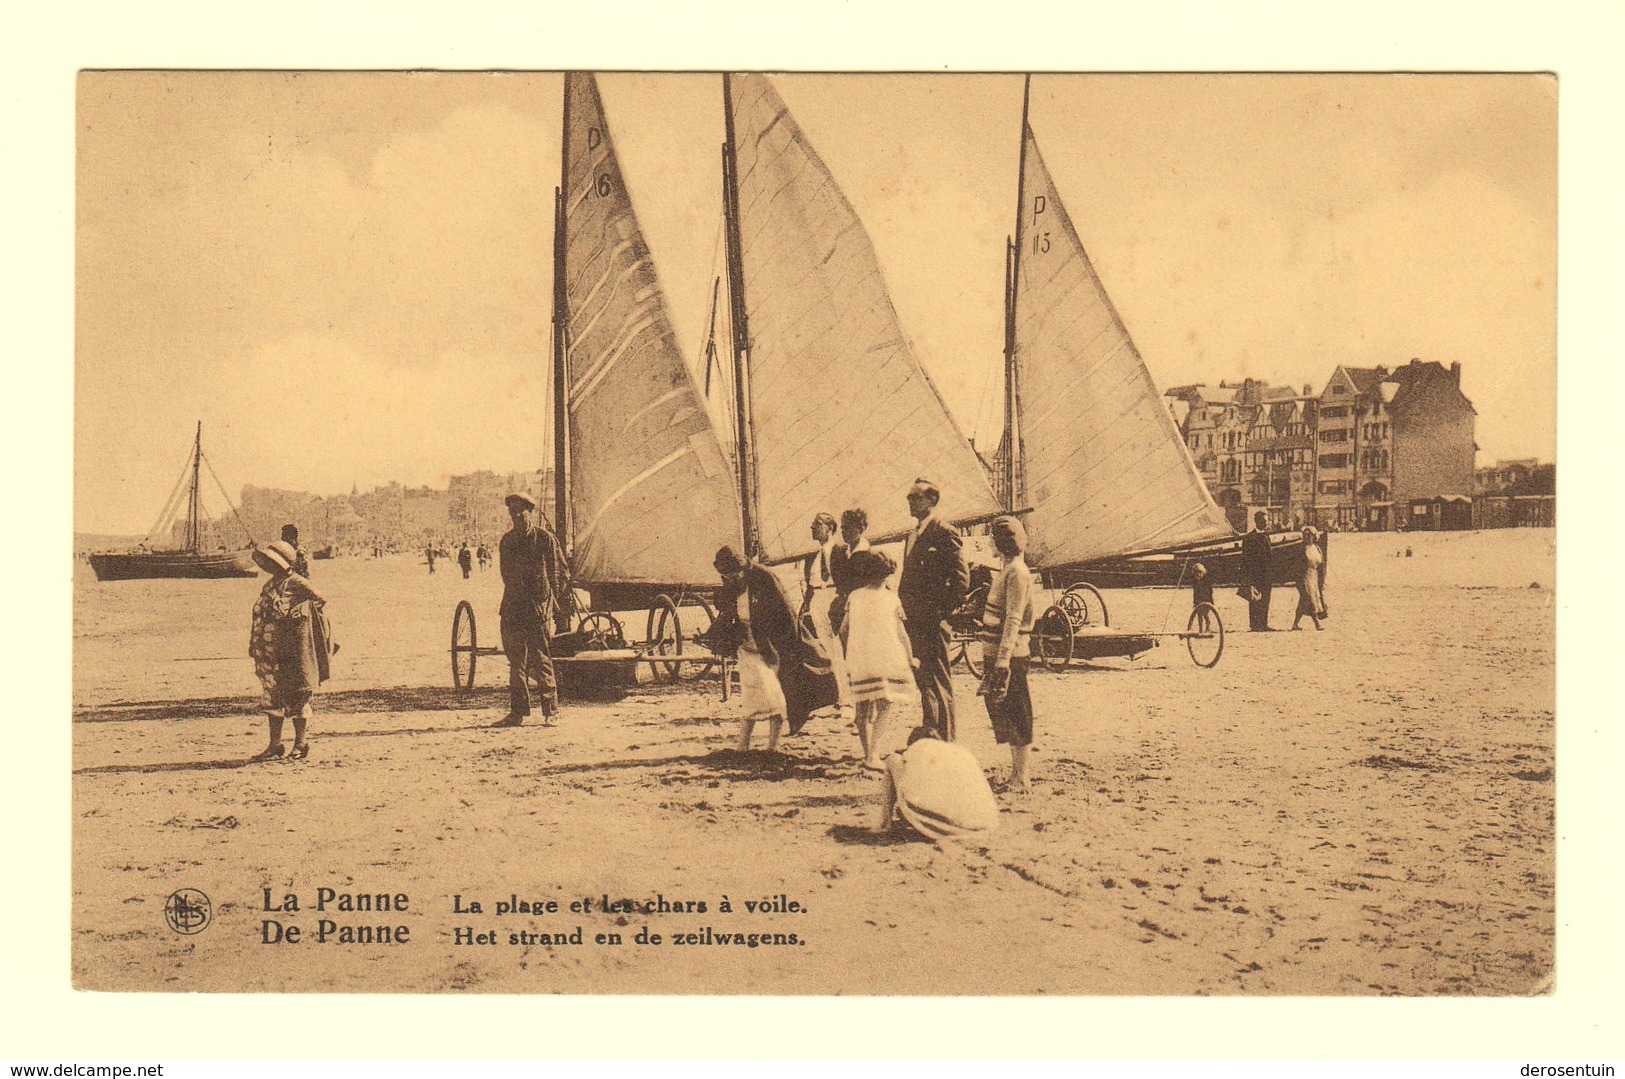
[1255, 574]
[931, 588]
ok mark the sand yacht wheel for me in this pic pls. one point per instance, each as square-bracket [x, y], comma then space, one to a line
[1052, 638]
[1084, 606]
[464, 647]
[1204, 635]
[663, 636]
[970, 654]
[705, 614]
[600, 631]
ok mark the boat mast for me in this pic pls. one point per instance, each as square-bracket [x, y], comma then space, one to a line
[561, 365]
[746, 446]
[561, 358]
[711, 338]
[1013, 470]
[1008, 479]
[192, 539]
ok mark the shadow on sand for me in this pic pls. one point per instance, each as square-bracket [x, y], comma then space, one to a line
[176, 766]
[851, 835]
[395, 699]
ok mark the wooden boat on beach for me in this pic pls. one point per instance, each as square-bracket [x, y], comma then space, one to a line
[188, 561]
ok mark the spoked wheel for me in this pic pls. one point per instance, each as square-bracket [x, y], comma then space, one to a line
[1085, 606]
[1204, 635]
[1052, 639]
[968, 653]
[694, 668]
[464, 648]
[665, 638]
[599, 631]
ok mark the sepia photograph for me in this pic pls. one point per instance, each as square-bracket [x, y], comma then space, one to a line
[795, 534]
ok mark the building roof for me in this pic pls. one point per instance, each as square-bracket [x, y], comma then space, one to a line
[1364, 378]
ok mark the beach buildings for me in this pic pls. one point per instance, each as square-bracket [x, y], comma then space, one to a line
[1374, 449]
[392, 516]
[1520, 493]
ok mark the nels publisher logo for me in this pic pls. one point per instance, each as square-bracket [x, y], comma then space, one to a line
[187, 911]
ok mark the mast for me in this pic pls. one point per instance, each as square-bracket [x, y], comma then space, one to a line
[192, 541]
[561, 314]
[1012, 369]
[561, 382]
[739, 322]
[1008, 480]
[561, 360]
[711, 337]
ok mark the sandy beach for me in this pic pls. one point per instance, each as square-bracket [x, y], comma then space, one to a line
[1365, 810]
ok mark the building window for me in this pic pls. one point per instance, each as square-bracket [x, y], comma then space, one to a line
[1339, 388]
[1335, 410]
[1334, 460]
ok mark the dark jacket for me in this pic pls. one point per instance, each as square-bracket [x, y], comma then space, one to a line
[1255, 559]
[533, 574]
[786, 642]
[840, 568]
[934, 578]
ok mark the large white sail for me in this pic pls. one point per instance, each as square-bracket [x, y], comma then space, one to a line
[843, 413]
[1105, 469]
[651, 492]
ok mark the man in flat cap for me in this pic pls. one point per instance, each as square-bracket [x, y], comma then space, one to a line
[533, 578]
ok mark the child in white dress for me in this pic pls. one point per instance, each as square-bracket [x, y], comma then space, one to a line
[879, 661]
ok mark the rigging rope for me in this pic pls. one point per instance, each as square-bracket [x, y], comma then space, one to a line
[166, 516]
[1177, 586]
[246, 530]
[981, 407]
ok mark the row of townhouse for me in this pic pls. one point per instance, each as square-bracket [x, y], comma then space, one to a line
[471, 507]
[1375, 449]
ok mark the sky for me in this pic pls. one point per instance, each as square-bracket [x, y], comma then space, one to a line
[347, 277]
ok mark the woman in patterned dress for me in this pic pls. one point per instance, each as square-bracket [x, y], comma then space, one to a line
[283, 643]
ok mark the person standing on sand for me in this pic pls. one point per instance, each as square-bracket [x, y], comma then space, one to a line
[877, 651]
[301, 562]
[784, 675]
[931, 587]
[938, 789]
[1311, 601]
[465, 559]
[429, 553]
[1201, 592]
[533, 577]
[1007, 629]
[818, 597]
[283, 641]
[1255, 575]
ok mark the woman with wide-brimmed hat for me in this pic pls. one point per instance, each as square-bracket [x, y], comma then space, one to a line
[287, 648]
